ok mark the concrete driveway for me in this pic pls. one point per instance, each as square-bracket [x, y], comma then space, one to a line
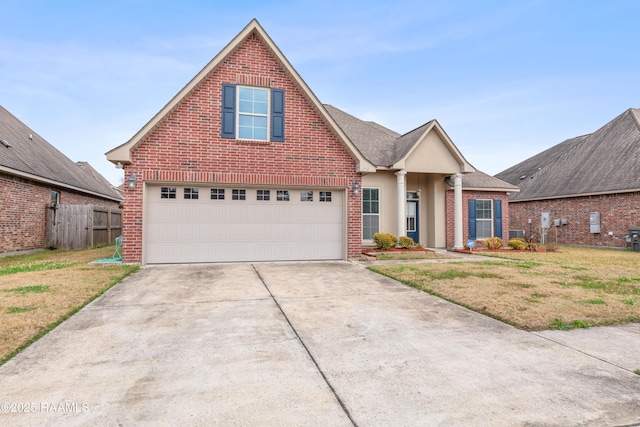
[327, 344]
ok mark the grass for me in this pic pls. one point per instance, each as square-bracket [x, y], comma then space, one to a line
[404, 256]
[41, 290]
[571, 288]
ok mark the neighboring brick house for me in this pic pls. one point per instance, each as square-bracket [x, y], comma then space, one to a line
[34, 176]
[246, 164]
[586, 189]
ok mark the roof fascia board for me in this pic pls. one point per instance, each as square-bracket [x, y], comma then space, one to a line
[492, 189]
[465, 167]
[122, 153]
[40, 179]
[571, 196]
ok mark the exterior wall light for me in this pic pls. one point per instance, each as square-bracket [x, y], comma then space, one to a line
[418, 192]
[131, 181]
[355, 187]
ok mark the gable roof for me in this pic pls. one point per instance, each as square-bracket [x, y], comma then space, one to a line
[602, 162]
[386, 148]
[482, 182]
[30, 156]
[122, 153]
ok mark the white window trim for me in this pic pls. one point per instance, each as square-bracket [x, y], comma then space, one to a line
[483, 219]
[369, 214]
[239, 113]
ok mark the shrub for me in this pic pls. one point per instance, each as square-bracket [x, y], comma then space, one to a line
[406, 242]
[551, 247]
[385, 240]
[493, 243]
[533, 247]
[517, 244]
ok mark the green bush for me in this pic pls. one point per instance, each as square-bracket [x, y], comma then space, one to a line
[493, 243]
[517, 244]
[385, 240]
[406, 242]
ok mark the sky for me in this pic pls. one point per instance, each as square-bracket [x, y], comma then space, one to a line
[505, 79]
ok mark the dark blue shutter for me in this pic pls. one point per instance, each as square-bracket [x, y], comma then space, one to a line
[277, 115]
[497, 218]
[228, 111]
[472, 219]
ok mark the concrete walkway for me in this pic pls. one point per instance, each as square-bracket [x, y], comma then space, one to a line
[311, 344]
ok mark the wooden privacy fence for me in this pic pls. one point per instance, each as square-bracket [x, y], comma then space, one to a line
[82, 226]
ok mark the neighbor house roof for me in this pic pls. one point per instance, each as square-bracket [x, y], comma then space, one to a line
[122, 153]
[602, 162]
[26, 154]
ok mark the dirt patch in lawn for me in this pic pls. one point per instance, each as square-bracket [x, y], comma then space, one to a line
[574, 287]
[39, 290]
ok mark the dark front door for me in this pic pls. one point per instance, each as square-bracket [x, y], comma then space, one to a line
[412, 220]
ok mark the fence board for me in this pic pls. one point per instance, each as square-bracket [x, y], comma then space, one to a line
[82, 226]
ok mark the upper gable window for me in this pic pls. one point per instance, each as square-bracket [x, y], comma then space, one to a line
[252, 113]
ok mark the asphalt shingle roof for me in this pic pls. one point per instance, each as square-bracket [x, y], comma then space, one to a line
[606, 161]
[375, 142]
[384, 147]
[31, 154]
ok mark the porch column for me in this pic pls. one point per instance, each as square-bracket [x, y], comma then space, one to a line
[457, 211]
[402, 221]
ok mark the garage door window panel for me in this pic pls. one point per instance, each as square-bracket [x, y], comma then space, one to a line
[325, 196]
[217, 194]
[282, 195]
[168, 192]
[238, 194]
[263, 195]
[191, 193]
[306, 196]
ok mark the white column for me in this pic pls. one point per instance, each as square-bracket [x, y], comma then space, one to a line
[457, 209]
[402, 201]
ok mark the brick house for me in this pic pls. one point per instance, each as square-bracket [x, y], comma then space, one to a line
[35, 177]
[585, 190]
[246, 164]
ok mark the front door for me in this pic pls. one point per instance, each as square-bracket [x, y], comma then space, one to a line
[412, 219]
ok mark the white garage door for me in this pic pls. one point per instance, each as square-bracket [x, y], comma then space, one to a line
[222, 224]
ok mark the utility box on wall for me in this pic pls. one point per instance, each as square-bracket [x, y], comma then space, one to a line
[594, 222]
[545, 219]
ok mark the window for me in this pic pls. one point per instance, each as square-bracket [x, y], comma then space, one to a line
[325, 196]
[191, 193]
[252, 113]
[217, 194]
[370, 212]
[282, 195]
[263, 195]
[306, 196]
[167, 192]
[238, 194]
[483, 219]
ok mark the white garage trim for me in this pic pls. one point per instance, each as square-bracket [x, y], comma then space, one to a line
[179, 228]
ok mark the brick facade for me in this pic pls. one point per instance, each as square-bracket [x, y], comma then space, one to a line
[23, 208]
[618, 213]
[186, 147]
[466, 195]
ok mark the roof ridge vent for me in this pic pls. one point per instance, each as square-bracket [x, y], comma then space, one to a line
[5, 143]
